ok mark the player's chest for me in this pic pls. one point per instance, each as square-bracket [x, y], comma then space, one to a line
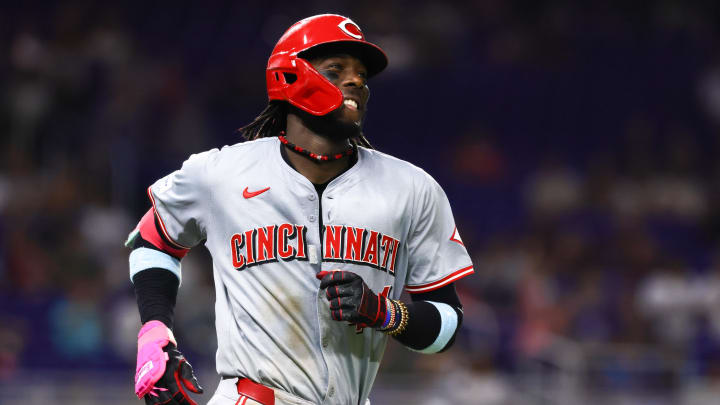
[360, 205]
[357, 224]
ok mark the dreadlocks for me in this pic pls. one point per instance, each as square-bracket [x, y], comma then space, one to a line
[270, 122]
[273, 119]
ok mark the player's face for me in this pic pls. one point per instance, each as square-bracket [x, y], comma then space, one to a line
[349, 74]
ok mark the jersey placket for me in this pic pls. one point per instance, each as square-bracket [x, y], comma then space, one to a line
[324, 208]
[331, 199]
[314, 229]
[311, 207]
[315, 224]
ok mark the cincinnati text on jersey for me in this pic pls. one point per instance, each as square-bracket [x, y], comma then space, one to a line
[340, 244]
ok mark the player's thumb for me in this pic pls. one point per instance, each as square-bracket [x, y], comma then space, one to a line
[187, 376]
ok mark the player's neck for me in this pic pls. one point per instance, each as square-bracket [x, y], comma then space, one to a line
[316, 172]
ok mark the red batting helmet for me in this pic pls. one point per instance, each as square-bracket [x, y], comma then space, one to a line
[293, 79]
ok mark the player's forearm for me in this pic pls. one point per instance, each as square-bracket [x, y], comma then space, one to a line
[156, 292]
[433, 321]
[154, 270]
[155, 276]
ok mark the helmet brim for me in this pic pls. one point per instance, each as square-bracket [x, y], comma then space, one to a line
[370, 54]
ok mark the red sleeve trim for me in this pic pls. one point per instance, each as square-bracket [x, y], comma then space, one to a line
[149, 232]
[466, 271]
[162, 224]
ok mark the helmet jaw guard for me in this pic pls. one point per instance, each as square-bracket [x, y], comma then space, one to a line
[291, 78]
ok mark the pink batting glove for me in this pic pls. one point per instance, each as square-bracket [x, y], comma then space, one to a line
[151, 358]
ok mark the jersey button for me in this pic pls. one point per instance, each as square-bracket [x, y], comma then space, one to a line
[331, 391]
[325, 342]
[312, 218]
[311, 197]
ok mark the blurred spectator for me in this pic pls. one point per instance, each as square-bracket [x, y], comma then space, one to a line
[553, 190]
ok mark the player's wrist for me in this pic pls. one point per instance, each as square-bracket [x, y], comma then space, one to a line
[401, 319]
[397, 319]
[389, 314]
[380, 310]
[155, 331]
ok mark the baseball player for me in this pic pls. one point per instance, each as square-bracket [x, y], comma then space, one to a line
[313, 236]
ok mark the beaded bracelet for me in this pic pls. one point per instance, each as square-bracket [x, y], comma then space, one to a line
[403, 319]
[390, 317]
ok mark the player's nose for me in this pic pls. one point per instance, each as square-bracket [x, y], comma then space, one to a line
[354, 78]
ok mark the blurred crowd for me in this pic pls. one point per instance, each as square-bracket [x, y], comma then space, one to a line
[576, 143]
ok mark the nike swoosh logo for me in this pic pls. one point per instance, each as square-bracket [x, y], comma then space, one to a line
[251, 194]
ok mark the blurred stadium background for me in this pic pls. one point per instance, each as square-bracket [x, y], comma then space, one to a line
[577, 142]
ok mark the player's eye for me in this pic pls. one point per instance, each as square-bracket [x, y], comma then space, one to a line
[330, 74]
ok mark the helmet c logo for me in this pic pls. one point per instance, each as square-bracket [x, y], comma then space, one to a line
[350, 28]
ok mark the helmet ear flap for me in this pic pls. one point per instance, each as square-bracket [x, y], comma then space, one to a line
[293, 79]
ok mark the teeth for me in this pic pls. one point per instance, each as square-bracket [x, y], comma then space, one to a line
[350, 103]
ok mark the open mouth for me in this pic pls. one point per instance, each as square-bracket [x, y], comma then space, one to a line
[350, 103]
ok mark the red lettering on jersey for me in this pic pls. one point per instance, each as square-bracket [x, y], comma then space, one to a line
[249, 246]
[300, 242]
[285, 232]
[341, 243]
[236, 243]
[391, 269]
[371, 249]
[266, 243]
[386, 242]
[353, 243]
[333, 242]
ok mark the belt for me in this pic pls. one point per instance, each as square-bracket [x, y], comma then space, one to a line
[231, 386]
[255, 391]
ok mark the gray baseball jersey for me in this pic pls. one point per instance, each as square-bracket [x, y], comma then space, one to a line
[269, 234]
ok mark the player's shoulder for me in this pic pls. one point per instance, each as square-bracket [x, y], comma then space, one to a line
[232, 153]
[246, 147]
[383, 163]
[216, 164]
